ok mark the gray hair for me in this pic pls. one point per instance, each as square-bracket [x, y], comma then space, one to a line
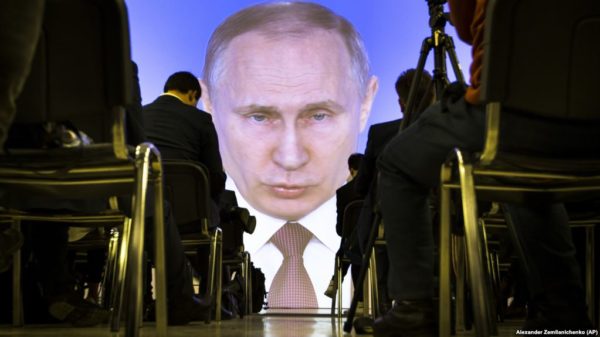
[285, 19]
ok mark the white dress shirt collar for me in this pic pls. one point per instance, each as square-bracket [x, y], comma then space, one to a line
[170, 94]
[319, 255]
[319, 222]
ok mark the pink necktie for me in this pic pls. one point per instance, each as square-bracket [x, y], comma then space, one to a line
[291, 287]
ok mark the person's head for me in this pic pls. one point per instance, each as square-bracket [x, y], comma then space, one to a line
[184, 85]
[425, 93]
[289, 88]
[354, 163]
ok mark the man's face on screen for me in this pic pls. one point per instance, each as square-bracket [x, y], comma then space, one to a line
[288, 113]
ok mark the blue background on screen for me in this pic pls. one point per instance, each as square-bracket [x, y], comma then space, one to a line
[171, 35]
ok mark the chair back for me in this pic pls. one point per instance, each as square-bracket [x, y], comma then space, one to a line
[351, 215]
[81, 72]
[187, 190]
[543, 57]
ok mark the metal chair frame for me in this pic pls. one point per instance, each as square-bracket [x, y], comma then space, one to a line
[133, 176]
[92, 63]
[471, 173]
[204, 236]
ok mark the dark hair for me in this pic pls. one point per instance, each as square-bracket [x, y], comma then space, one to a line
[183, 81]
[424, 97]
[354, 161]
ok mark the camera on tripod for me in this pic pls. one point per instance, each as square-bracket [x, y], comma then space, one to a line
[437, 17]
[436, 2]
[239, 217]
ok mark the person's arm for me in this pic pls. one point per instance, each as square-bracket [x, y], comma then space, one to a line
[461, 14]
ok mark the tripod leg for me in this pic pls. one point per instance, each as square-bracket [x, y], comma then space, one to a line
[451, 50]
[363, 271]
[440, 75]
[411, 104]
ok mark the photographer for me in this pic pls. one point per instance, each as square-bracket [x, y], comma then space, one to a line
[410, 166]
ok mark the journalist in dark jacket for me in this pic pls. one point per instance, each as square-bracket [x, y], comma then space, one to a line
[182, 131]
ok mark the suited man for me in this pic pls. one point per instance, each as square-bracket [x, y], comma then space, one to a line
[182, 131]
[344, 196]
[379, 135]
[366, 182]
[347, 193]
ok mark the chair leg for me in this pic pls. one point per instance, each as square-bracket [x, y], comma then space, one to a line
[363, 271]
[212, 265]
[249, 297]
[219, 278]
[244, 273]
[367, 294]
[134, 265]
[110, 270]
[160, 283]
[460, 280]
[215, 272]
[334, 279]
[17, 299]
[120, 280]
[477, 268]
[339, 290]
[374, 286]
[145, 153]
[589, 271]
[444, 257]
[491, 259]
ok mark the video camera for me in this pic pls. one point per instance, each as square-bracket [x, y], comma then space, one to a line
[437, 17]
[240, 217]
[436, 2]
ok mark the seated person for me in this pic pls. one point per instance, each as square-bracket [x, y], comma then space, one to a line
[49, 245]
[379, 135]
[344, 196]
[410, 167]
[182, 131]
[366, 182]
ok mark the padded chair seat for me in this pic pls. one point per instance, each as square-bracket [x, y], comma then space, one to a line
[54, 159]
[564, 166]
[49, 175]
[515, 172]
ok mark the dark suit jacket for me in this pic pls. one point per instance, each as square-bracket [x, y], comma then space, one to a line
[183, 132]
[379, 135]
[366, 179]
[344, 196]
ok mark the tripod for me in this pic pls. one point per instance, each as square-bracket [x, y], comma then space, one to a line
[441, 44]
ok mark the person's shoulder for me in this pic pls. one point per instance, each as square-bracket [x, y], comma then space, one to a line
[201, 115]
[156, 104]
[386, 125]
[199, 119]
[383, 129]
[347, 193]
[161, 101]
[346, 188]
[204, 114]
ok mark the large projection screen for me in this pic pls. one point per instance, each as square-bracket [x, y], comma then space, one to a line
[170, 36]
